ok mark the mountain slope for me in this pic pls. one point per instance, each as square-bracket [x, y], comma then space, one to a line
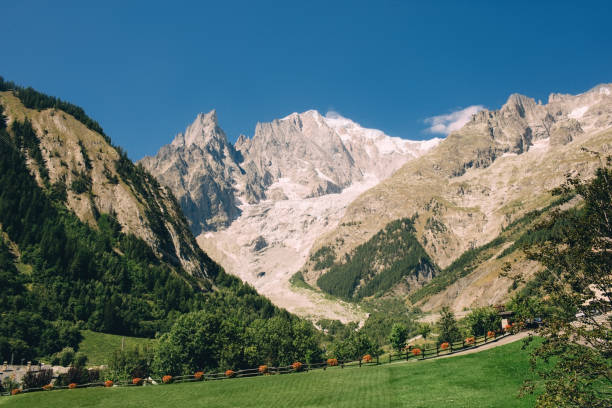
[499, 166]
[90, 241]
[291, 183]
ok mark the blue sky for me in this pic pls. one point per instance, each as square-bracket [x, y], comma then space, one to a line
[145, 69]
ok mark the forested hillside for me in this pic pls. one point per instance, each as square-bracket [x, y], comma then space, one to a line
[62, 270]
[393, 256]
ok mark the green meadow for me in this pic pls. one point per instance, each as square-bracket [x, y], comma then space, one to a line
[490, 378]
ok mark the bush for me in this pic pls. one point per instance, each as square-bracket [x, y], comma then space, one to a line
[94, 375]
[490, 334]
[199, 375]
[444, 345]
[167, 379]
[79, 360]
[108, 383]
[77, 375]
[297, 366]
[72, 386]
[230, 373]
[470, 340]
[332, 362]
[137, 381]
[37, 379]
[367, 358]
[263, 369]
[416, 352]
[47, 387]
[15, 391]
[66, 356]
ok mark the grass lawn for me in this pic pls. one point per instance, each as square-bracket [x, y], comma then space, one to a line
[99, 347]
[487, 379]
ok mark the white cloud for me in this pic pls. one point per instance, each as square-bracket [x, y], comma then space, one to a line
[445, 124]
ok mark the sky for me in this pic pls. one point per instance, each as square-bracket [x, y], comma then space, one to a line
[416, 70]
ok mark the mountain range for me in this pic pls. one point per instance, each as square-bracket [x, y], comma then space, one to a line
[308, 195]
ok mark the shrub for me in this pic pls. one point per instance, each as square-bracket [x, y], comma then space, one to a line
[230, 373]
[199, 375]
[297, 366]
[507, 328]
[367, 358]
[263, 369]
[79, 360]
[72, 386]
[137, 381]
[108, 383]
[94, 375]
[416, 351]
[66, 356]
[47, 387]
[332, 362]
[167, 379]
[16, 391]
[444, 345]
[78, 375]
[470, 340]
[490, 334]
[37, 379]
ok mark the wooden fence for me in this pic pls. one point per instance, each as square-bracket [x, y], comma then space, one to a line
[406, 355]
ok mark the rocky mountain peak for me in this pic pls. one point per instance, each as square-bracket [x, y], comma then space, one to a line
[204, 129]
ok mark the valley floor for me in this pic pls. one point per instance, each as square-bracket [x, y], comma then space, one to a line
[490, 378]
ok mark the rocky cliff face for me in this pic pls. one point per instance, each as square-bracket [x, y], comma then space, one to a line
[300, 156]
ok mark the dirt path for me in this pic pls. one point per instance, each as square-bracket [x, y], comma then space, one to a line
[506, 340]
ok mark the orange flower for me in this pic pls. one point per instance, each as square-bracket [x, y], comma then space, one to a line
[16, 391]
[469, 340]
[108, 383]
[47, 387]
[72, 386]
[367, 358]
[198, 375]
[137, 381]
[263, 369]
[167, 379]
[416, 351]
[332, 362]
[230, 373]
[507, 327]
[490, 334]
[444, 345]
[297, 366]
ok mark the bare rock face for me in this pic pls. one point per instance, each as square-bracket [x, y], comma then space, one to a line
[298, 157]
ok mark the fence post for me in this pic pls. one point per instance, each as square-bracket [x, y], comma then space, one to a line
[437, 350]
[342, 365]
[377, 362]
[451, 347]
[390, 358]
